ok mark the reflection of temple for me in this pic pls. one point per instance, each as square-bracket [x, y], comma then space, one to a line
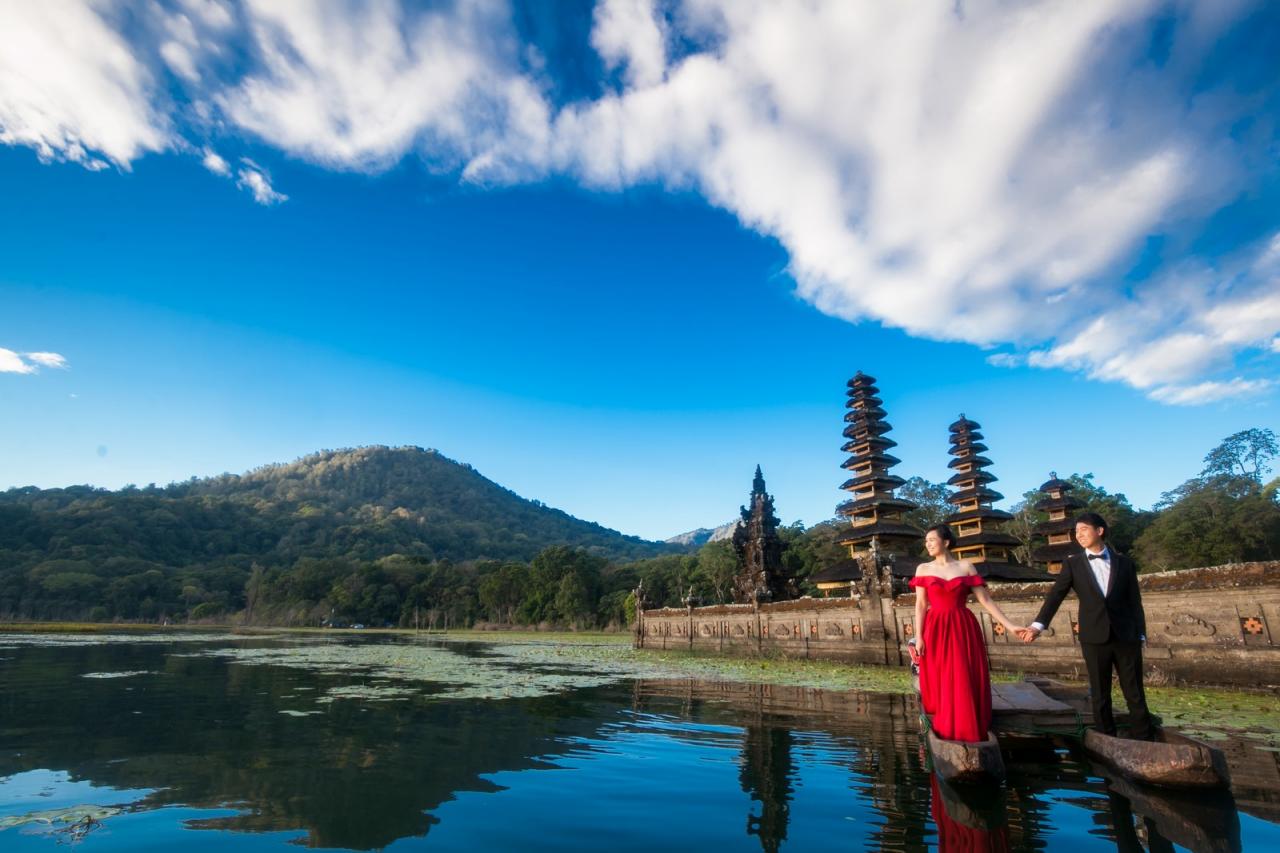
[766, 777]
[755, 539]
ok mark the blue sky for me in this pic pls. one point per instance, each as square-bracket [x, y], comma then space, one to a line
[616, 258]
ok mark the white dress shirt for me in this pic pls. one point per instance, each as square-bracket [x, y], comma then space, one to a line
[1101, 573]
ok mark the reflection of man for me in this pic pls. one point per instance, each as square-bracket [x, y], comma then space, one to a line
[1113, 626]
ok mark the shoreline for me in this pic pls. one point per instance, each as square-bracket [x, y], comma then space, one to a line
[1202, 710]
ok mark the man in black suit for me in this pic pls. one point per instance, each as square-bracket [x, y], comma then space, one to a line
[1113, 626]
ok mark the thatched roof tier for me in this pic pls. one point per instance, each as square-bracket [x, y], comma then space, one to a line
[1064, 503]
[976, 461]
[980, 514]
[879, 459]
[981, 494]
[1054, 553]
[870, 413]
[874, 442]
[883, 482]
[862, 380]
[963, 424]
[1010, 572]
[974, 476]
[880, 503]
[1053, 484]
[1052, 528]
[987, 537]
[865, 400]
[887, 530]
[872, 427]
[841, 572]
[963, 440]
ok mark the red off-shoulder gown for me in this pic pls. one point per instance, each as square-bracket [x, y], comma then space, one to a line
[955, 683]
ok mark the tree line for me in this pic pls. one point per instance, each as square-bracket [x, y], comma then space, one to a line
[338, 539]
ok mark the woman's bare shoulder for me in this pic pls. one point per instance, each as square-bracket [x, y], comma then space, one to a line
[967, 568]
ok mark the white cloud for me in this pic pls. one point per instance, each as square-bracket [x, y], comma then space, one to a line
[1210, 392]
[251, 177]
[1006, 359]
[47, 359]
[626, 33]
[29, 362]
[72, 88]
[215, 163]
[979, 173]
[11, 362]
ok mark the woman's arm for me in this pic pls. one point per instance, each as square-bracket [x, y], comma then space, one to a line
[983, 595]
[922, 604]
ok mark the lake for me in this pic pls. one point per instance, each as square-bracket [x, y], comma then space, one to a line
[216, 741]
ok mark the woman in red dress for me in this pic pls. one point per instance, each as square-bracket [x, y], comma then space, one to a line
[955, 683]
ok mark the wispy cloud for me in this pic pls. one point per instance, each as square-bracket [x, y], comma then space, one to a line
[985, 175]
[1006, 359]
[215, 163]
[251, 177]
[29, 362]
[1210, 392]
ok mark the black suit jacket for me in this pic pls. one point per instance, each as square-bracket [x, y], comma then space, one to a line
[1117, 614]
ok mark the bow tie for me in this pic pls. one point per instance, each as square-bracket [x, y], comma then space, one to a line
[1101, 556]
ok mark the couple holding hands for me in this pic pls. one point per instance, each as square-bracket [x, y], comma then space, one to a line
[955, 685]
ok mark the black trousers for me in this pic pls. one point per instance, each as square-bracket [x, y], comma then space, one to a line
[1125, 659]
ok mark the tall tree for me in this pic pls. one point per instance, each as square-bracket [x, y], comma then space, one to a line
[930, 500]
[1247, 453]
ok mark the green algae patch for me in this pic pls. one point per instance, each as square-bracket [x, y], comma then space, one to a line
[127, 674]
[1215, 714]
[370, 692]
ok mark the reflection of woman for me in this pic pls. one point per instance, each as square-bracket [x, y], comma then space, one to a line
[955, 684]
[966, 831]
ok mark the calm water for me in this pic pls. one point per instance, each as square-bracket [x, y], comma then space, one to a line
[167, 746]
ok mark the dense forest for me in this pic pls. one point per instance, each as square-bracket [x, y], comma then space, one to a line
[193, 547]
[381, 536]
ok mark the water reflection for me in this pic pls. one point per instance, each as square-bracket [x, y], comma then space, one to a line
[195, 744]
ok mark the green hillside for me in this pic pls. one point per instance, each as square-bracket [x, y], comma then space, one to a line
[143, 553]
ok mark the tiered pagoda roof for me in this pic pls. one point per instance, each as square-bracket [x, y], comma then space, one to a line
[1058, 529]
[872, 509]
[978, 526]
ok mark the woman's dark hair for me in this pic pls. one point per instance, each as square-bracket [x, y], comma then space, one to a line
[944, 533]
[1093, 520]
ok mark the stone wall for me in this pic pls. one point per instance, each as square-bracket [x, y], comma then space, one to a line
[1215, 625]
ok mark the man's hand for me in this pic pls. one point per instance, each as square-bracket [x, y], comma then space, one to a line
[1028, 634]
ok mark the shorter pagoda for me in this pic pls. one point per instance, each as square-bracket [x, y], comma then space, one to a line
[755, 539]
[977, 525]
[1058, 530]
[872, 509]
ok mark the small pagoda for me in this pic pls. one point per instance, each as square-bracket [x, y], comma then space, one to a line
[875, 514]
[755, 539]
[1057, 530]
[977, 525]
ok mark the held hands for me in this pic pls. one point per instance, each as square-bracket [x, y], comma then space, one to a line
[1027, 634]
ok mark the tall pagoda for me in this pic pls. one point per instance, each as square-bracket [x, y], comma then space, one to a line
[978, 526]
[1058, 529]
[755, 539]
[872, 509]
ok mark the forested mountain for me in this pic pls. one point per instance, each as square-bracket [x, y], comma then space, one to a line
[404, 536]
[159, 550]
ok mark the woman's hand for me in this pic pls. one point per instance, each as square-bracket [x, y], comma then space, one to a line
[917, 649]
